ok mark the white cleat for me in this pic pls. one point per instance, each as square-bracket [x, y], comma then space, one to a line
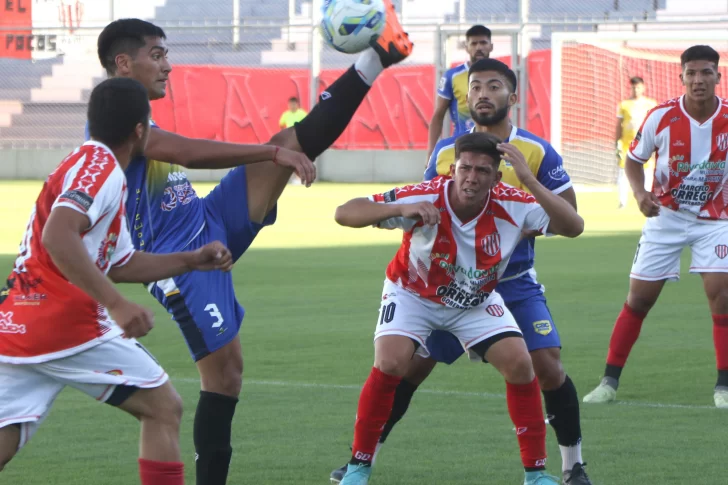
[721, 399]
[603, 393]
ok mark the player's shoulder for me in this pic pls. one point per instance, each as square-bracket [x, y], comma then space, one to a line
[665, 107]
[444, 144]
[508, 193]
[529, 138]
[432, 188]
[457, 70]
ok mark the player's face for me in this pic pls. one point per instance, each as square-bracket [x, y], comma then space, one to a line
[700, 79]
[151, 67]
[638, 90]
[474, 175]
[293, 105]
[489, 98]
[478, 47]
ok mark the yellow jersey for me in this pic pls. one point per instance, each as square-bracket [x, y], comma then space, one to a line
[632, 112]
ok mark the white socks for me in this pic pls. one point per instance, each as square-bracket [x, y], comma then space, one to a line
[570, 456]
[368, 66]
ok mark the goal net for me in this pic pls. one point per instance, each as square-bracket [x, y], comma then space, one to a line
[590, 75]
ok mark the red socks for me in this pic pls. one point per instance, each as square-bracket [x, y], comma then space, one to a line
[626, 331]
[720, 340]
[524, 407]
[161, 472]
[375, 406]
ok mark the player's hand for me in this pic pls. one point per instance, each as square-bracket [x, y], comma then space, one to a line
[648, 203]
[136, 321]
[212, 256]
[514, 156]
[422, 211]
[299, 163]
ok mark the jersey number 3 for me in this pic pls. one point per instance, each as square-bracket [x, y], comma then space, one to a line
[214, 313]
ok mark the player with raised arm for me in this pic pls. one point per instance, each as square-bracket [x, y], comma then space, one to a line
[458, 236]
[452, 92]
[687, 207]
[492, 93]
[62, 322]
[167, 214]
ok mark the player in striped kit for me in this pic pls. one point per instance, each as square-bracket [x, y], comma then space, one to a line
[687, 207]
[458, 237]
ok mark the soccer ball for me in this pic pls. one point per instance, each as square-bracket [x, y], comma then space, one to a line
[349, 25]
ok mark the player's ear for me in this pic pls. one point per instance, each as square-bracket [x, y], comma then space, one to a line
[123, 64]
[498, 177]
[452, 169]
[139, 131]
[512, 99]
[718, 78]
[682, 80]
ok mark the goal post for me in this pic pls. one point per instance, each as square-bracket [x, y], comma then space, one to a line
[590, 74]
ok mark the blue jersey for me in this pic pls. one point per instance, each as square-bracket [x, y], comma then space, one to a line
[454, 87]
[163, 209]
[543, 161]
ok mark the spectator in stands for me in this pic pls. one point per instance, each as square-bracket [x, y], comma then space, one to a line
[293, 115]
[630, 114]
[453, 88]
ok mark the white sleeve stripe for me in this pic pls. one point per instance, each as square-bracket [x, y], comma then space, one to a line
[563, 188]
[636, 158]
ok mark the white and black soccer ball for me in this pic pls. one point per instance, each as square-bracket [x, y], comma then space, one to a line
[350, 25]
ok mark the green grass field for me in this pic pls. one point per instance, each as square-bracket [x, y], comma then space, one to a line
[311, 291]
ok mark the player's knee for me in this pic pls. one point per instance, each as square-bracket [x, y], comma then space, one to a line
[548, 368]
[164, 406]
[286, 139]
[222, 371]
[419, 369]
[717, 298]
[640, 303]
[392, 366]
[518, 369]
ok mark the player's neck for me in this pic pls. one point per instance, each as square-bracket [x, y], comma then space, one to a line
[701, 111]
[501, 129]
[464, 211]
[122, 153]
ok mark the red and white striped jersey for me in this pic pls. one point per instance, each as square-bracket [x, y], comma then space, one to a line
[42, 315]
[457, 263]
[690, 168]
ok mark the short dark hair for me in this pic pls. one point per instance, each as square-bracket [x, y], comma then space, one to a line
[293, 98]
[699, 53]
[124, 36]
[116, 107]
[495, 65]
[634, 81]
[479, 142]
[478, 31]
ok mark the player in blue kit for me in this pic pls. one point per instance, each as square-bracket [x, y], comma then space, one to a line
[166, 215]
[491, 93]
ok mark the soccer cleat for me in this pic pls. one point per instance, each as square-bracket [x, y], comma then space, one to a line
[721, 399]
[393, 44]
[577, 476]
[540, 478]
[338, 474]
[356, 475]
[602, 394]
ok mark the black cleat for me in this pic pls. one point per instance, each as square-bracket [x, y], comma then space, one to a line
[338, 474]
[577, 476]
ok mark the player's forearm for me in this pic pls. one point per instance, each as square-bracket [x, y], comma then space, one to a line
[635, 172]
[145, 267]
[71, 257]
[565, 221]
[362, 212]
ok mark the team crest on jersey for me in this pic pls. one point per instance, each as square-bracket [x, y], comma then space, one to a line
[7, 325]
[495, 310]
[722, 141]
[106, 252]
[542, 327]
[721, 250]
[491, 244]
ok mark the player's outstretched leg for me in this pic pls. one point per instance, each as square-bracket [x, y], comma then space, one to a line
[510, 356]
[160, 411]
[419, 369]
[562, 410]
[329, 118]
[9, 442]
[716, 289]
[641, 298]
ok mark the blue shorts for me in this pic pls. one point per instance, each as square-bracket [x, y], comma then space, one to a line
[533, 318]
[203, 303]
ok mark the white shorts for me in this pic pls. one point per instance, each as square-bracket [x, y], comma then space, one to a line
[27, 391]
[665, 236]
[402, 313]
